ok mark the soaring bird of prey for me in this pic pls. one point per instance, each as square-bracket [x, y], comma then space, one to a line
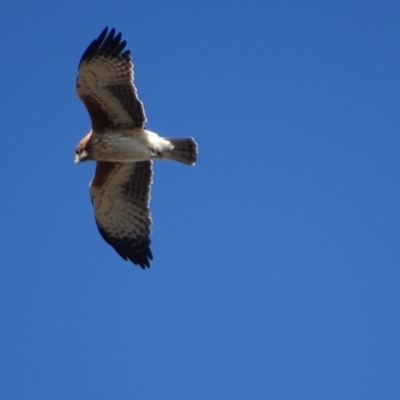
[122, 147]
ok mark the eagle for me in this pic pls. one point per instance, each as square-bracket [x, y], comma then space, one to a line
[122, 147]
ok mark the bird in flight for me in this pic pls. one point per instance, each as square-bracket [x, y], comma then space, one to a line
[122, 147]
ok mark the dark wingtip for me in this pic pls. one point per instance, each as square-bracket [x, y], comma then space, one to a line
[107, 43]
[103, 34]
[137, 252]
[141, 258]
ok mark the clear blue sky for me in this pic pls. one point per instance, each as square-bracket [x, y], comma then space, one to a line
[277, 260]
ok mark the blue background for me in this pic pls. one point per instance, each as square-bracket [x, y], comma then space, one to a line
[276, 271]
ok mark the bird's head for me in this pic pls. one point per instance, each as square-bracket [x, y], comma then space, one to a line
[82, 152]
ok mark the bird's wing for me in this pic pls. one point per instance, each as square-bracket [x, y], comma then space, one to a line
[120, 195]
[105, 84]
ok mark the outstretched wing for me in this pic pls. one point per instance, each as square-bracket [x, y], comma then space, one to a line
[105, 84]
[120, 195]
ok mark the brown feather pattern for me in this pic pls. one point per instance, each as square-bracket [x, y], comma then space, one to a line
[120, 194]
[105, 85]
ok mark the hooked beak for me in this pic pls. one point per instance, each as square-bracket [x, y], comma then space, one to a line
[80, 157]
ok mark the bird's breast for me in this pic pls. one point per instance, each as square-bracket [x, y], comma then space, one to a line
[123, 146]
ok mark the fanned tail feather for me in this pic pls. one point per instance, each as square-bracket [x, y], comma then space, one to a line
[185, 150]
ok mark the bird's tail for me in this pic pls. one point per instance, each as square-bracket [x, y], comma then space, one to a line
[185, 150]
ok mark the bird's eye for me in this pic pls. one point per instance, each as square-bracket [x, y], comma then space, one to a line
[77, 151]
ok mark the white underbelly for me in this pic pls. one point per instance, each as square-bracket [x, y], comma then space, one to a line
[139, 145]
[122, 147]
[129, 149]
